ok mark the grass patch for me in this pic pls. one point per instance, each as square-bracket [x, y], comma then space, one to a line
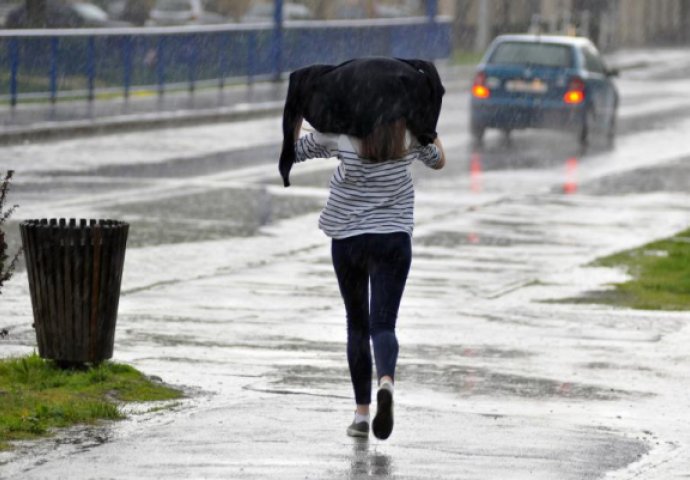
[36, 396]
[464, 57]
[112, 95]
[661, 275]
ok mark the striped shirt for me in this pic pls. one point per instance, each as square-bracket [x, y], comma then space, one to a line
[365, 196]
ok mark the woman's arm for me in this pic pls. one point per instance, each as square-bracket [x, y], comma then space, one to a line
[316, 145]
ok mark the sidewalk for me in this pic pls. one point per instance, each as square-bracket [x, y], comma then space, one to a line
[498, 378]
[494, 383]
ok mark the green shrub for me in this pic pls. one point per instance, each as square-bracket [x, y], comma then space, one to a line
[6, 268]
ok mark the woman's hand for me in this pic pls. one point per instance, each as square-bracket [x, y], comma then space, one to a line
[442, 161]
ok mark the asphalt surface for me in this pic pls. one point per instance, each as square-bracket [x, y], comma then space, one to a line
[229, 293]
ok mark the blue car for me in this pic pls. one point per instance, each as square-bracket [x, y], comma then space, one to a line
[540, 81]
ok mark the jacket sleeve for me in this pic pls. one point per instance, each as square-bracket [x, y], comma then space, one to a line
[298, 98]
[316, 145]
[427, 97]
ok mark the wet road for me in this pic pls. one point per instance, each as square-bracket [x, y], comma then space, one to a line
[228, 291]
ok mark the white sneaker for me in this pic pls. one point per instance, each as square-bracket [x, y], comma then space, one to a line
[360, 429]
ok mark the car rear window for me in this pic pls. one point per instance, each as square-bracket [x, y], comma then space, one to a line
[521, 53]
[173, 5]
[90, 12]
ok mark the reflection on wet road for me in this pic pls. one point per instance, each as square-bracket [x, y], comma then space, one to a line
[368, 463]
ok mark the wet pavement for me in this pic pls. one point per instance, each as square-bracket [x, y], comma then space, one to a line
[229, 293]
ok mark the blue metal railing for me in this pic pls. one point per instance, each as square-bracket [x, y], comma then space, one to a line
[84, 62]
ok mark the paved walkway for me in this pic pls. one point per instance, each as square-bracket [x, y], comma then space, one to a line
[495, 380]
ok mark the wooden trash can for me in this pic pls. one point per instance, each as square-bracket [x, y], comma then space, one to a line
[75, 271]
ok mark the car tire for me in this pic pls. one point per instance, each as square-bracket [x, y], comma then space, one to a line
[585, 133]
[611, 130]
[477, 132]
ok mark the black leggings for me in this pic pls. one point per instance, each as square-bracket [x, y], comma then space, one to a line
[382, 261]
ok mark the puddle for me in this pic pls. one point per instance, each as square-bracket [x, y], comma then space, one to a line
[466, 381]
[134, 337]
[615, 366]
[309, 376]
[182, 167]
[462, 380]
[65, 188]
[674, 177]
[211, 215]
[454, 239]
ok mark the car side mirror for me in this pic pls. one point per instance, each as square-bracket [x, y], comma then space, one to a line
[612, 72]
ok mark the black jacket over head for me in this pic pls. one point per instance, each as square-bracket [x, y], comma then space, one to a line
[355, 97]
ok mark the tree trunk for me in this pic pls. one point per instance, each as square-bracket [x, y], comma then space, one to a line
[685, 20]
[464, 29]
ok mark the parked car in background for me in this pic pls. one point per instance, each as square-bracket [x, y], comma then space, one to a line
[263, 12]
[135, 12]
[408, 8]
[539, 81]
[93, 16]
[183, 12]
[62, 14]
[5, 10]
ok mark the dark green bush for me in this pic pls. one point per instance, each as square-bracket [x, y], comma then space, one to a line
[6, 267]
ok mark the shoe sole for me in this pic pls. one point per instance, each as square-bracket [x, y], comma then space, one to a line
[357, 433]
[382, 425]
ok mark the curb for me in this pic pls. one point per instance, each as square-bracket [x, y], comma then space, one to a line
[140, 121]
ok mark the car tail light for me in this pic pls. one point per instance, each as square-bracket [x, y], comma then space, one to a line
[479, 88]
[576, 92]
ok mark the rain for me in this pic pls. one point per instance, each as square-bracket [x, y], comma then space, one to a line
[513, 363]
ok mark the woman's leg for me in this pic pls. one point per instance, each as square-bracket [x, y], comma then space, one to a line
[349, 262]
[390, 256]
